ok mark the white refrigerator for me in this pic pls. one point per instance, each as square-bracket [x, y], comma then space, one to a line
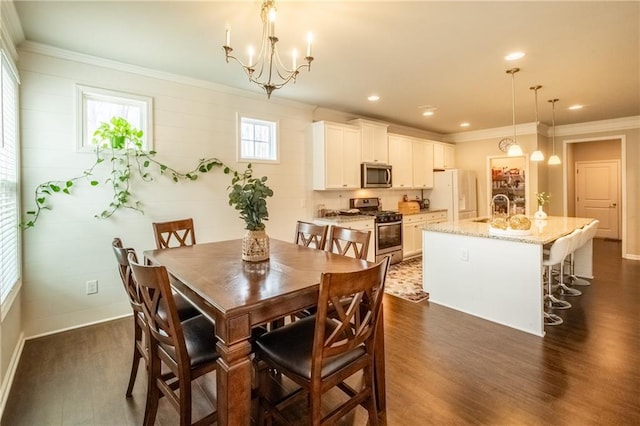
[455, 190]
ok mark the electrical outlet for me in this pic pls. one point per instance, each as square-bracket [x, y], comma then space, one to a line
[92, 286]
[464, 255]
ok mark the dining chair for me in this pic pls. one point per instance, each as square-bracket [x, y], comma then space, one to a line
[348, 242]
[319, 353]
[175, 233]
[186, 350]
[310, 234]
[185, 309]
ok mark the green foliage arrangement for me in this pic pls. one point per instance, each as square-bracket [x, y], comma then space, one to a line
[120, 144]
[249, 196]
[542, 198]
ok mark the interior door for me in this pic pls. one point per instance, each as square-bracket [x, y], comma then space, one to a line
[597, 189]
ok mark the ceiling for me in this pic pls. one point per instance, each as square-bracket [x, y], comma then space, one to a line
[449, 55]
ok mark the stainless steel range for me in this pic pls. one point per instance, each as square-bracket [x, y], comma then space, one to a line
[388, 228]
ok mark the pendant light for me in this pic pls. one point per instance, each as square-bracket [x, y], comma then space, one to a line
[514, 149]
[536, 155]
[554, 160]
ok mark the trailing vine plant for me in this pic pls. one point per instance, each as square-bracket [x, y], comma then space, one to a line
[120, 144]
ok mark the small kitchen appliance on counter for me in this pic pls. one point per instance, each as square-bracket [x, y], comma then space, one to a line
[388, 228]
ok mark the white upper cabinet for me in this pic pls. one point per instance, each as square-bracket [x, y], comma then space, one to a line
[373, 138]
[422, 164]
[401, 160]
[336, 150]
[443, 156]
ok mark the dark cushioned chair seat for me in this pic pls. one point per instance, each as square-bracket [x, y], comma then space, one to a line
[292, 346]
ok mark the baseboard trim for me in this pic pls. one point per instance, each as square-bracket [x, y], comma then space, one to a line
[62, 330]
[11, 373]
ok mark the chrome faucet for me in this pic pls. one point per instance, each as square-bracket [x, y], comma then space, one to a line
[492, 206]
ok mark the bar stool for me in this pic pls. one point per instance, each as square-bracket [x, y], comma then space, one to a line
[557, 253]
[575, 240]
[588, 233]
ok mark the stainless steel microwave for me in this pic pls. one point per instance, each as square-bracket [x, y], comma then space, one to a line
[374, 175]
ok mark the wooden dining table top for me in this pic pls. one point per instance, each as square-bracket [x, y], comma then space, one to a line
[216, 272]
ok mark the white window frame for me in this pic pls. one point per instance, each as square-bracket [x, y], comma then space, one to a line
[84, 138]
[274, 143]
[10, 244]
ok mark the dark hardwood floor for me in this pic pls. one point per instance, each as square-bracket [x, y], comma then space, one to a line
[443, 367]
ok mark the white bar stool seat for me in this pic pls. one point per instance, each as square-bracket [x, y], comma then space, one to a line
[588, 233]
[575, 241]
[557, 253]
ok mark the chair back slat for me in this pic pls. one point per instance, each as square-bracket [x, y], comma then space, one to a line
[311, 235]
[348, 242]
[176, 233]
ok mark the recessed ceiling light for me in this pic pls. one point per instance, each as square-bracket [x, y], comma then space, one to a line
[465, 124]
[428, 113]
[373, 98]
[574, 107]
[514, 55]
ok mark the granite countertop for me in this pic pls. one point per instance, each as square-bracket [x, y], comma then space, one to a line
[344, 218]
[432, 210]
[542, 231]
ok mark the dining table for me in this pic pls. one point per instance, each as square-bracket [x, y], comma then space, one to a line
[240, 295]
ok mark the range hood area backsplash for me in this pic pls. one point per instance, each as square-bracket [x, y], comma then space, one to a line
[337, 200]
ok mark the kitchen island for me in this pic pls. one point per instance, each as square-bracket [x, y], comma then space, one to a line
[495, 277]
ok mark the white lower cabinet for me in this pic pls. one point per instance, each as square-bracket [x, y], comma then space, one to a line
[412, 235]
[360, 225]
[412, 230]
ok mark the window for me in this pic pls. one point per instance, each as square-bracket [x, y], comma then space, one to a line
[257, 140]
[9, 268]
[99, 105]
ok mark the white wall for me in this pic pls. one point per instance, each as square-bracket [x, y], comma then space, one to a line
[69, 246]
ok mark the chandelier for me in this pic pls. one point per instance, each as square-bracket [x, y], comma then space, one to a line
[266, 69]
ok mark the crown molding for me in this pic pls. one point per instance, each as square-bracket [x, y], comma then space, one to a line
[496, 132]
[55, 52]
[612, 125]
[11, 33]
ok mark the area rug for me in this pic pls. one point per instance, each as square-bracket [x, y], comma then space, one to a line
[404, 280]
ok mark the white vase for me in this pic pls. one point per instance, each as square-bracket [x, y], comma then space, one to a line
[540, 214]
[255, 246]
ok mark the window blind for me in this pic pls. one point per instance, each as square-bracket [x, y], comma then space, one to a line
[9, 269]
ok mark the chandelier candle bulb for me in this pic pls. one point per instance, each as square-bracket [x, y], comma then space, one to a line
[294, 55]
[309, 40]
[228, 37]
[250, 55]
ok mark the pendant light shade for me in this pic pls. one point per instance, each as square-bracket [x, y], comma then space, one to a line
[554, 160]
[514, 149]
[536, 155]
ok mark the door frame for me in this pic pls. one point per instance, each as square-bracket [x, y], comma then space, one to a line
[623, 178]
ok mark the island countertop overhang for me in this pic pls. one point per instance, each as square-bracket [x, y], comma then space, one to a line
[543, 231]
